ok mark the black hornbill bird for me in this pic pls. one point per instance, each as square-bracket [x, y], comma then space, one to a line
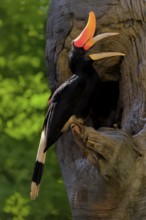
[71, 101]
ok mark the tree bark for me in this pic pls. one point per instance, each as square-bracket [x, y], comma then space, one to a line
[104, 169]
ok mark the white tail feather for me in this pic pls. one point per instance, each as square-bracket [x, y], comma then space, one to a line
[41, 156]
[34, 191]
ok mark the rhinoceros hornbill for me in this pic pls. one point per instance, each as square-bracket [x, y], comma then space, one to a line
[72, 100]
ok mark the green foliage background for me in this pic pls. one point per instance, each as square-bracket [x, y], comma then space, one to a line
[24, 93]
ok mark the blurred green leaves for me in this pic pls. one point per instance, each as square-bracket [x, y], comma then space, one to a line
[23, 102]
[17, 207]
[23, 91]
[24, 96]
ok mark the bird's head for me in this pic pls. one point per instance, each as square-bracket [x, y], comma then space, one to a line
[79, 56]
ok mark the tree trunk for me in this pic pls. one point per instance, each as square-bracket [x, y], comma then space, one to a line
[104, 170]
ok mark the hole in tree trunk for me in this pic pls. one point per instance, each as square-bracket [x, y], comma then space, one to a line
[105, 110]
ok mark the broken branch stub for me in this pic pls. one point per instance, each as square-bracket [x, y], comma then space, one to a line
[113, 152]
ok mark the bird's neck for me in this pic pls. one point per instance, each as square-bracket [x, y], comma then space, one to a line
[85, 71]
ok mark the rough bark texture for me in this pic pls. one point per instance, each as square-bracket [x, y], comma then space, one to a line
[104, 170]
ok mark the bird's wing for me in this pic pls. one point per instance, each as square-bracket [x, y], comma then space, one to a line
[63, 103]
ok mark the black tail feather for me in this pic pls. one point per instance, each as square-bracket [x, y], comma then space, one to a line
[38, 172]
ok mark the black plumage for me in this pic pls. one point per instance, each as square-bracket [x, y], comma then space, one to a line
[73, 97]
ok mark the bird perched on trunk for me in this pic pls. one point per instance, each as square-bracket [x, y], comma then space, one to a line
[72, 100]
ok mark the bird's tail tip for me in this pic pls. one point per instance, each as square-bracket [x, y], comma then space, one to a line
[38, 168]
[36, 179]
[34, 191]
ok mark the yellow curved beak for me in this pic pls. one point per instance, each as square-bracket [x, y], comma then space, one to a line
[102, 55]
[99, 56]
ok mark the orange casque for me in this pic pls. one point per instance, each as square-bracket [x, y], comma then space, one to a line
[85, 38]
